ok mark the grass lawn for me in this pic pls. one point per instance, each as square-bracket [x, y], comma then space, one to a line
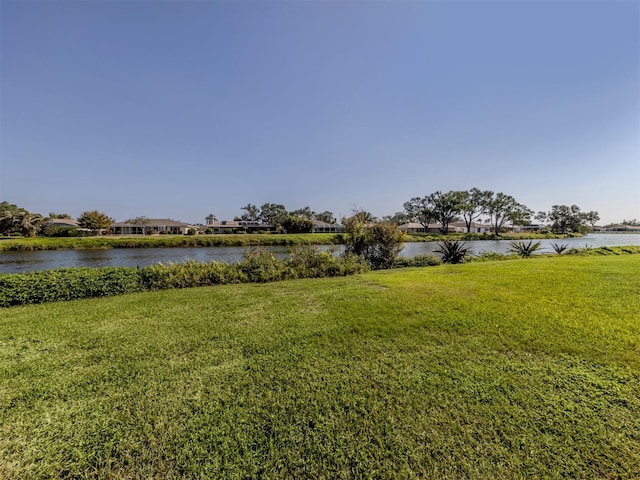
[501, 370]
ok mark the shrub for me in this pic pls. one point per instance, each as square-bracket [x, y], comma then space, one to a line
[378, 244]
[261, 266]
[559, 248]
[417, 261]
[294, 224]
[67, 284]
[586, 250]
[307, 262]
[490, 257]
[189, 274]
[453, 251]
[523, 249]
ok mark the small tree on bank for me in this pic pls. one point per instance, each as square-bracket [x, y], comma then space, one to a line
[95, 221]
[377, 244]
[294, 224]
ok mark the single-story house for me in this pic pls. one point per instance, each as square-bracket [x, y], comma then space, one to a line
[623, 228]
[411, 227]
[461, 227]
[61, 222]
[324, 227]
[230, 226]
[534, 227]
[454, 227]
[154, 225]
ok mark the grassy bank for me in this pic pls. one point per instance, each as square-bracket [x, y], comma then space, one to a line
[484, 370]
[223, 240]
[226, 240]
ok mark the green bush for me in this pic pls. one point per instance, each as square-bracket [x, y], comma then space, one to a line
[189, 274]
[262, 266]
[525, 250]
[559, 248]
[453, 251]
[417, 261]
[490, 257]
[307, 262]
[67, 284]
[378, 244]
[297, 225]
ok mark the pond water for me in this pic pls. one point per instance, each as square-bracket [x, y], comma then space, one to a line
[18, 262]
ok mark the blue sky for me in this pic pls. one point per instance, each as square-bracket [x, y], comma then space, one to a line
[181, 109]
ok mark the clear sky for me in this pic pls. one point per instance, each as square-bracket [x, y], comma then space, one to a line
[180, 109]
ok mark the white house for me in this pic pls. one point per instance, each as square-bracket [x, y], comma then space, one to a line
[324, 227]
[153, 226]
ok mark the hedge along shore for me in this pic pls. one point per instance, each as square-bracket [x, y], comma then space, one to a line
[160, 241]
[257, 267]
[226, 240]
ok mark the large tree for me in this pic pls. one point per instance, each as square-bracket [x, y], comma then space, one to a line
[95, 221]
[399, 218]
[591, 217]
[326, 217]
[58, 215]
[474, 205]
[273, 213]
[14, 219]
[305, 212]
[446, 207]
[502, 208]
[566, 218]
[297, 224]
[420, 210]
[252, 212]
[21, 222]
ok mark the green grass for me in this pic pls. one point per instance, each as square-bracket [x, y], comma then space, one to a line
[501, 370]
[222, 240]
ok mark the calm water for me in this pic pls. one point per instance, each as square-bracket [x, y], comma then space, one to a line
[17, 262]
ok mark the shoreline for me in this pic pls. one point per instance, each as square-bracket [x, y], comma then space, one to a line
[231, 240]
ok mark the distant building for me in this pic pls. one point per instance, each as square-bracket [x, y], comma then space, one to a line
[324, 227]
[454, 227]
[623, 228]
[61, 222]
[231, 226]
[154, 226]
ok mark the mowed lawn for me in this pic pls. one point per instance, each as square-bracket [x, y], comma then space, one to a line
[500, 370]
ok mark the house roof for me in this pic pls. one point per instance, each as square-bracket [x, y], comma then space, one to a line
[320, 223]
[61, 222]
[623, 226]
[155, 222]
[238, 224]
[407, 226]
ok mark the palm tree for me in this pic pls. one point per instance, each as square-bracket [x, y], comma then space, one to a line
[29, 223]
[23, 222]
[7, 222]
[211, 219]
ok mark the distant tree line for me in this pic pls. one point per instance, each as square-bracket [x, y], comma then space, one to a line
[276, 214]
[499, 209]
[442, 208]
